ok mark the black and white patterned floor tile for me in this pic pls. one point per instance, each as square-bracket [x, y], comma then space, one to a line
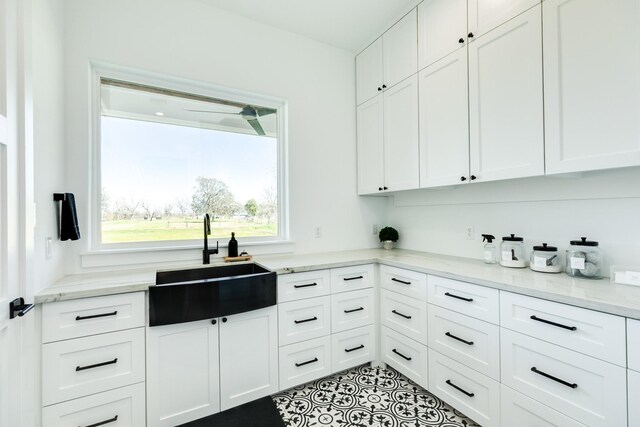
[366, 397]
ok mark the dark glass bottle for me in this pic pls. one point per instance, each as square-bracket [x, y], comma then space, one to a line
[233, 246]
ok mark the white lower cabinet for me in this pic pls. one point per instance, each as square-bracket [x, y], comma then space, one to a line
[352, 310]
[352, 348]
[476, 395]
[404, 314]
[305, 361]
[633, 383]
[404, 355]
[122, 407]
[303, 320]
[522, 411]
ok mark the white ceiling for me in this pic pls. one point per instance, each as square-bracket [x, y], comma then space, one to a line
[347, 24]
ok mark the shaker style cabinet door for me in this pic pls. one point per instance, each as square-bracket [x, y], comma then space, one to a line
[592, 89]
[505, 100]
[444, 122]
[370, 146]
[369, 72]
[485, 15]
[442, 29]
[400, 50]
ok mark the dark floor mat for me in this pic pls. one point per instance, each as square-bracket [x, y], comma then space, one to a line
[259, 413]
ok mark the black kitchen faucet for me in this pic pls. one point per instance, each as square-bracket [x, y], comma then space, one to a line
[206, 252]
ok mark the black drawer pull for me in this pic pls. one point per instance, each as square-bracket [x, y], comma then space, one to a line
[311, 319]
[450, 335]
[354, 310]
[461, 390]
[305, 286]
[549, 322]
[400, 354]
[101, 423]
[400, 314]
[95, 316]
[346, 279]
[551, 377]
[97, 365]
[458, 297]
[349, 350]
[400, 281]
[315, 359]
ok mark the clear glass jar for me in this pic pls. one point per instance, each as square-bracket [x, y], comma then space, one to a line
[512, 252]
[584, 259]
[545, 259]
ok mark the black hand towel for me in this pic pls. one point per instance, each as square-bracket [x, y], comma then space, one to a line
[69, 229]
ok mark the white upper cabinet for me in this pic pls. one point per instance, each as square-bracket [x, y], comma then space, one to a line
[485, 15]
[370, 146]
[592, 88]
[505, 100]
[442, 29]
[444, 122]
[401, 152]
[369, 72]
[389, 60]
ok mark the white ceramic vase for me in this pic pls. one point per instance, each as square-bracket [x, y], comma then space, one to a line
[387, 244]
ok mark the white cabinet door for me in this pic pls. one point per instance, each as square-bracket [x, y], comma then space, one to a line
[369, 72]
[444, 121]
[401, 152]
[505, 100]
[522, 411]
[182, 373]
[592, 90]
[400, 50]
[633, 344]
[485, 15]
[442, 29]
[370, 146]
[248, 356]
[634, 398]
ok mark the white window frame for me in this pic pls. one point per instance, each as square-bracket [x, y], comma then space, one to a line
[100, 71]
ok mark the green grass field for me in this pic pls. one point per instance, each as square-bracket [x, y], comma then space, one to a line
[138, 230]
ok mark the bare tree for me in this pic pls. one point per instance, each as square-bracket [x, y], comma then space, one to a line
[183, 207]
[168, 209]
[126, 209]
[213, 196]
[269, 204]
[149, 211]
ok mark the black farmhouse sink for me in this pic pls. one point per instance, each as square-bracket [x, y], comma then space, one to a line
[204, 293]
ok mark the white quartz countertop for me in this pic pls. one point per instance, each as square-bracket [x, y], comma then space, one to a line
[601, 295]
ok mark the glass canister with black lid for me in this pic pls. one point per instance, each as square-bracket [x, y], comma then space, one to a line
[512, 252]
[584, 259]
[545, 259]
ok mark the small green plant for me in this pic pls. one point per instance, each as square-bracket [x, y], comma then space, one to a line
[388, 233]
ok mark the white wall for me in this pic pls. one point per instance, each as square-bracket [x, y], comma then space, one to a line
[189, 39]
[603, 206]
[49, 141]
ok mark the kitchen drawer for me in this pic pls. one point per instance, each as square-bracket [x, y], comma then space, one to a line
[352, 309]
[89, 316]
[522, 411]
[353, 348]
[633, 344]
[477, 395]
[304, 320]
[351, 278]
[404, 314]
[404, 281]
[472, 342]
[83, 366]
[122, 407]
[633, 379]
[472, 300]
[404, 355]
[309, 284]
[304, 362]
[586, 389]
[586, 331]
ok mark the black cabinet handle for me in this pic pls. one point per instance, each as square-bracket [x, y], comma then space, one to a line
[379, 188]
[95, 316]
[97, 365]
[354, 310]
[461, 40]
[460, 389]
[400, 281]
[306, 320]
[450, 335]
[101, 423]
[549, 322]
[556, 379]
[214, 321]
[19, 308]
[384, 86]
[463, 178]
[470, 35]
[458, 297]
[224, 320]
[379, 88]
[473, 177]
[400, 354]
[349, 350]
[400, 314]
[385, 188]
[305, 286]
[346, 279]
[315, 359]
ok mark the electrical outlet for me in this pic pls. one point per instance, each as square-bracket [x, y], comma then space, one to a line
[374, 229]
[318, 232]
[469, 233]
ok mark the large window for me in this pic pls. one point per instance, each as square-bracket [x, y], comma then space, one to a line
[166, 157]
